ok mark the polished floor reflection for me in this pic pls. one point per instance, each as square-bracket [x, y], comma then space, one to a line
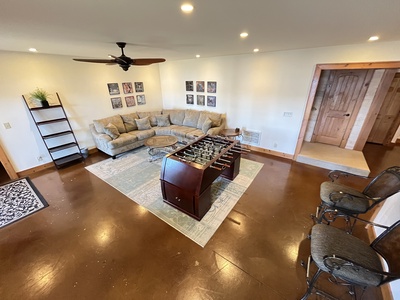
[94, 243]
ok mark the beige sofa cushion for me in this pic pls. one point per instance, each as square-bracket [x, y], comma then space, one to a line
[111, 130]
[115, 120]
[143, 124]
[191, 118]
[163, 121]
[151, 114]
[129, 121]
[176, 116]
[214, 117]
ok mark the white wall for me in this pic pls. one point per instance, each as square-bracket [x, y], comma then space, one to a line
[83, 90]
[255, 90]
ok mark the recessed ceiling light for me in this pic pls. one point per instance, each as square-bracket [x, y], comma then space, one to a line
[256, 50]
[373, 38]
[244, 34]
[32, 50]
[197, 55]
[187, 8]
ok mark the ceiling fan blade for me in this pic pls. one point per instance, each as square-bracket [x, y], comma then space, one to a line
[147, 61]
[100, 61]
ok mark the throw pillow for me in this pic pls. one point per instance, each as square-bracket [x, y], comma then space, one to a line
[206, 125]
[143, 124]
[163, 121]
[111, 130]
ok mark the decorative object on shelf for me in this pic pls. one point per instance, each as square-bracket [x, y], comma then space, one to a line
[189, 99]
[113, 88]
[201, 100]
[56, 133]
[141, 99]
[211, 87]
[130, 101]
[211, 101]
[40, 97]
[189, 86]
[199, 86]
[127, 87]
[139, 88]
[116, 102]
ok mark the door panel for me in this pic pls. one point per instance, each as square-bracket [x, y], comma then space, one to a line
[388, 114]
[340, 104]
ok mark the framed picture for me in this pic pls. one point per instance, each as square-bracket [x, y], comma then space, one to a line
[130, 101]
[201, 99]
[199, 86]
[113, 88]
[189, 86]
[211, 87]
[139, 87]
[116, 102]
[211, 101]
[189, 99]
[141, 99]
[127, 87]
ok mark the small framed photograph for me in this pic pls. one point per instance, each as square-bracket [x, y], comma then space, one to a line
[211, 87]
[127, 87]
[201, 99]
[199, 86]
[189, 99]
[116, 102]
[113, 88]
[130, 101]
[211, 101]
[189, 86]
[139, 88]
[141, 99]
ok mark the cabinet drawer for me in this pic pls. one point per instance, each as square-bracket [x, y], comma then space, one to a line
[179, 197]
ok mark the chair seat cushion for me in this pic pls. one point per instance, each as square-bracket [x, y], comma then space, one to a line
[355, 205]
[327, 240]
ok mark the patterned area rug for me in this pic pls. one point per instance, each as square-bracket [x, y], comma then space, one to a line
[133, 175]
[19, 199]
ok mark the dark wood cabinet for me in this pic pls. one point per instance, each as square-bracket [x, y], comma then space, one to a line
[187, 174]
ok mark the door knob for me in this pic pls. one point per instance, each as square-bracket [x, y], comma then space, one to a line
[346, 115]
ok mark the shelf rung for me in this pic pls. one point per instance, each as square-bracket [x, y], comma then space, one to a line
[53, 135]
[63, 147]
[52, 121]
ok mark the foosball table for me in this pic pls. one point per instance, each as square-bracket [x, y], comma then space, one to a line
[187, 174]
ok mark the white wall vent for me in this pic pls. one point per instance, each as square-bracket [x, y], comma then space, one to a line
[251, 137]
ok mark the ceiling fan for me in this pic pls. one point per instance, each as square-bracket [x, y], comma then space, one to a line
[123, 61]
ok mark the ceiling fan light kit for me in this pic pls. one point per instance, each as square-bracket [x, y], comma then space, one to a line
[123, 61]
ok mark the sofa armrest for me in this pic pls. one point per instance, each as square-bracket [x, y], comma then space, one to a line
[100, 139]
[217, 130]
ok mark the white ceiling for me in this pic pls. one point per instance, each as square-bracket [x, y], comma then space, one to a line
[158, 28]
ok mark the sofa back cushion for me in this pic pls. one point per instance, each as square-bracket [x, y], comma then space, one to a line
[191, 118]
[214, 117]
[115, 120]
[129, 121]
[151, 114]
[176, 116]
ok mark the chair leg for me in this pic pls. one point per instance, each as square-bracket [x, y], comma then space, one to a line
[311, 284]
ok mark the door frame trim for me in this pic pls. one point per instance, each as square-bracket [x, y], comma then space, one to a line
[314, 84]
[7, 164]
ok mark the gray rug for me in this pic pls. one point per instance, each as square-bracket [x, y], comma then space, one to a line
[18, 199]
[133, 175]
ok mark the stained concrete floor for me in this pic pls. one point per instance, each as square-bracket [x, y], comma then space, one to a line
[92, 242]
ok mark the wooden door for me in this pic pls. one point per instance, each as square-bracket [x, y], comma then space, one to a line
[340, 105]
[388, 118]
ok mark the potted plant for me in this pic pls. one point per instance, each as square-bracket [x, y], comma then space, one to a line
[41, 96]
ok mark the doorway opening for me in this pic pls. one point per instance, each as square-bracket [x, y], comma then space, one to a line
[350, 157]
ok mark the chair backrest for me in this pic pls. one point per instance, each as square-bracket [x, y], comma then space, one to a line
[387, 244]
[386, 184]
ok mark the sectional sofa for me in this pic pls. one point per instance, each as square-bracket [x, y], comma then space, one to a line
[120, 133]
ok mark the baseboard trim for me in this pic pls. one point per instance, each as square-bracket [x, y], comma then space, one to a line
[31, 171]
[267, 151]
